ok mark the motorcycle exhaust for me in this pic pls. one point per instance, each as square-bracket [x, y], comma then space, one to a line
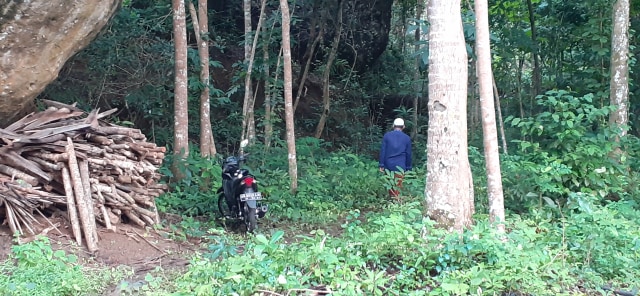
[262, 211]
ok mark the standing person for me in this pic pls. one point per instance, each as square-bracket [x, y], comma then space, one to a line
[395, 154]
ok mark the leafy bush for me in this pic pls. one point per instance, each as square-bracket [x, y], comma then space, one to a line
[35, 269]
[342, 264]
[568, 148]
[195, 194]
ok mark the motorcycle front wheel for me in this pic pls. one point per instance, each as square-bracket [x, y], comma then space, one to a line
[223, 207]
[250, 219]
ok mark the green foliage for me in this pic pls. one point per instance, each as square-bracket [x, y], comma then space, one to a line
[36, 269]
[343, 264]
[395, 251]
[568, 148]
[329, 185]
[195, 194]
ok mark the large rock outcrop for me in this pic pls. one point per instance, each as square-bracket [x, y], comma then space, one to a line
[36, 38]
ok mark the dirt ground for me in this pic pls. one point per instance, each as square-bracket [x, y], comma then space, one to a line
[141, 249]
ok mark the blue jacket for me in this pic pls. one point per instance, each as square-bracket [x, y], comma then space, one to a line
[395, 151]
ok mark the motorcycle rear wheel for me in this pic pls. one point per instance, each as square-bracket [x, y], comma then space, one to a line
[223, 207]
[250, 219]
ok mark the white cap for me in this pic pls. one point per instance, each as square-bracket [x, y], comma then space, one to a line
[398, 122]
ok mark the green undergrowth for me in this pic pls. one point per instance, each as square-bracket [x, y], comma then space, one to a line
[565, 233]
[36, 269]
[575, 248]
[329, 184]
[395, 251]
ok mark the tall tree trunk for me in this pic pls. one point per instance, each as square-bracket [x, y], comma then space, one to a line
[417, 81]
[537, 75]
[181, 125]
[449, 190]
[201, 30]
[326, 97]
[248, 60]
[288, 95]
[489, 130]
[251, 125]
[268, 125]
[619, 93]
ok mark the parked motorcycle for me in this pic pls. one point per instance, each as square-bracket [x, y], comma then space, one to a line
[238, 197]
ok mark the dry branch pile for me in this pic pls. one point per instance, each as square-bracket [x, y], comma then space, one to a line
[95, 170]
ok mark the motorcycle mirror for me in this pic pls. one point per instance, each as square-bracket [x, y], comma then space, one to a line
[244, 143]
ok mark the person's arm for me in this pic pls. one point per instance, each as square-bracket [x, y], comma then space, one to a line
[408, 152]
[383, 151]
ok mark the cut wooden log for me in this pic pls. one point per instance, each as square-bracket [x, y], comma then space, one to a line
[81, 201]
[115, 173]
[71, 206]
[15, 173]
[86, 185]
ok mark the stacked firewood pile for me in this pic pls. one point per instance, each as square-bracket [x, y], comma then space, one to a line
[64, 158]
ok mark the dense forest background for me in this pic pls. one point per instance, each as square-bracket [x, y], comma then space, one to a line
[130, 67]
[571, 186]
[550, 60]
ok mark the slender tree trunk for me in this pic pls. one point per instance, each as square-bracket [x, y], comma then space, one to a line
[288, 95]
[251, 126]
[307, 66]
[519, 79]
[499, 108]
[537, 75]
[449, 190]
[201, 30]
[489, 130]
[248, 60]
[417, 83]
[181, 127]
[619, 84]
[326, 96]
[268, 125]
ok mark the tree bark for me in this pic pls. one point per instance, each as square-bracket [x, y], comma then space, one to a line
[248, 60]
[499, 109]
[307, 66]
[619, 84]
[268, 125]
[181, 119]
[251, 129]
[201, 30]
[489, 130]
[417, 81]
[288, 95]
[448, 190]
[537, 74]
[326, 96]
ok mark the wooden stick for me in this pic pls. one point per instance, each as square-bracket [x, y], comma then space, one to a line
[78, 190]
[144, 238]
[134, 218]
[51, 157]
[45, 164]
[7, 170]
[71, 205]
[105, 217]
[84, 174]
